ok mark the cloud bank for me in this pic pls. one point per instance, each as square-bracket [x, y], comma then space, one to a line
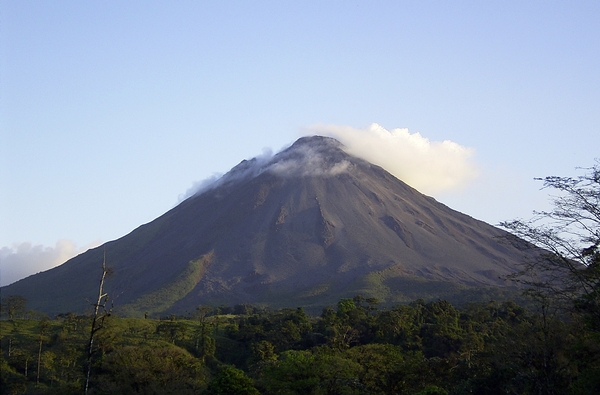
[429, 166]
[23, 259]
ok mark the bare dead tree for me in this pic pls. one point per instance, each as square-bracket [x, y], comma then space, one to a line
[100, 313]
[43, 327]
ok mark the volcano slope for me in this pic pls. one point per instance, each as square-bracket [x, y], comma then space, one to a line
[304, 228]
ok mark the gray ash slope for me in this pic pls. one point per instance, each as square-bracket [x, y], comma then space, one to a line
[307, 226]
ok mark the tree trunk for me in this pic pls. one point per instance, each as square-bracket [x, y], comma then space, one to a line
[101, 302]
[39, 361]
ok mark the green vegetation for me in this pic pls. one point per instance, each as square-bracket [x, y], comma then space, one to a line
[163, 298]
[355, 347]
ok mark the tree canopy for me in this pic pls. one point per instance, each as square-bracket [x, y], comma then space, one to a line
[569, 268]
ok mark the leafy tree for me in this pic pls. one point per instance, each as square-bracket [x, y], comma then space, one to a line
[440, 332]
[11, 382]
[231, 381]
[385, 369]
[346, 308]
[14, 305]
[172, 330]
[264, 351]
[400, 326]
[569, 268]
[204, 343]
[311, 372]
[339, 326]
[151, 369]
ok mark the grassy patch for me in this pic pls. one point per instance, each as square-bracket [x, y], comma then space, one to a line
[164, 297]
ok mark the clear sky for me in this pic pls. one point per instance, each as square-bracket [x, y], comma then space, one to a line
[110, 111]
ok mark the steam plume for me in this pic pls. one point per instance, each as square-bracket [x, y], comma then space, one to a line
[304, 161]
[429, 166]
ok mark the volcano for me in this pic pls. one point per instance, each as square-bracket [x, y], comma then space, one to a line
[303, 228]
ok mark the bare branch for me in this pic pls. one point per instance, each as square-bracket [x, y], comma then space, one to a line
[570, 235]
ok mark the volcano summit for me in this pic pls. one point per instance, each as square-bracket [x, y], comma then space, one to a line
[303, 228]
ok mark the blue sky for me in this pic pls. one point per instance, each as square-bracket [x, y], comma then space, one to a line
[110, 111]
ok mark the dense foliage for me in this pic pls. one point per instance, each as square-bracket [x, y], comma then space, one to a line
[355, 347]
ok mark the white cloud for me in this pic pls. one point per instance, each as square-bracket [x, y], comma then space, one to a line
[429, 166]
[201, 186]
[247, 168]
[305, 161]
[302, 161]
[23, 259]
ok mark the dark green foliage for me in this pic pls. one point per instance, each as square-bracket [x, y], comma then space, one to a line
[386, 369]
[166, 369]
[13, 306]
[231, 381]
[432, 390]
[311, 372]
[355, 348]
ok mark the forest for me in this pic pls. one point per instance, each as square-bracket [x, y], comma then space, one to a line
[355, 347]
